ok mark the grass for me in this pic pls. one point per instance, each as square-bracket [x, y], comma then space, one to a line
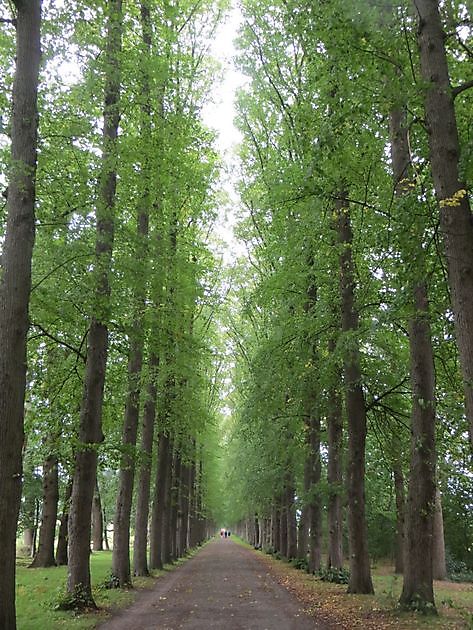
[38, 590]
[330, 602]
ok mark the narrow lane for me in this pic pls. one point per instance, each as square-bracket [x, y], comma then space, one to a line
[224, 586]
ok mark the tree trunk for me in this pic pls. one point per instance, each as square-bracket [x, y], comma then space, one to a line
[184, 508]
[121, 529]
[418, 587]
[360, 575]
[47, 532]
[315, 512]
[15, 290]
[456, 221]
[175, 490]
[97, 520]
[283, 520]
[400, 518]
[439, 565]
[168, 532]
[334, 469]
[90, 432]
[140, 561]
[303, 533]
[157, 516]
[61, 549]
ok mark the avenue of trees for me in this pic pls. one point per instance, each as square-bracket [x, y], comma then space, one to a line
[318, 394]
[351, 330]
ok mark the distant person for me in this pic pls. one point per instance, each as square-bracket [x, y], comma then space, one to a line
[222, 531]
[229, 533]
[225, 533]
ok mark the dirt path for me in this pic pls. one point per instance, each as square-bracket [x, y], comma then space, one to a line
[224, 586]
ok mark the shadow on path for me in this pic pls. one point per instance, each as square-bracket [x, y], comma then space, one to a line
[224, 586]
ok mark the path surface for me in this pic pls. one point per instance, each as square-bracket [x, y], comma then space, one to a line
[224, 586]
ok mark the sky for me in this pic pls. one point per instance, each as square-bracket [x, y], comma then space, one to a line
[219, 114]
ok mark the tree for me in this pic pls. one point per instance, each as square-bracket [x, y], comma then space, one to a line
[15, 288]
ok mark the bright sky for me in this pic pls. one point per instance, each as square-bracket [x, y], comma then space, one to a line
[219, 114]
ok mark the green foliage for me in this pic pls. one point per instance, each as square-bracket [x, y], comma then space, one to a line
[337, 576]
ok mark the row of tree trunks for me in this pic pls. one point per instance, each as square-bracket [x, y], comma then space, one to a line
[15, 290]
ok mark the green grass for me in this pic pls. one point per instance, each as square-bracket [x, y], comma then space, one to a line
[39, 589]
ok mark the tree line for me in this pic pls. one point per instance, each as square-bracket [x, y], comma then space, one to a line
[352, 339]
[109, 365]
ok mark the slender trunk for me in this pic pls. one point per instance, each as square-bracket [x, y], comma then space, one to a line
[439, 566]
[360, 575]
[184, 508]
[283, 524]
[121, 530]
[105, 529]
[140, 561]
[456, 221]
[315, 525]
[15, 290]
[418, 587]
[61, 549]
[334, 470]
[168, 532]
[175, 489]
[276, 527]
[97, 520]
[157, 516]
[303, 534]
[47, 532]
[90, 432]
[400, 517]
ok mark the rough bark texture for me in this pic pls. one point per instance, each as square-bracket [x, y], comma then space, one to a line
[439, 565]
[334, 470]
[90, 432]
[417, 589]
[140, 560]
[61, 549]
[168, 533]
[400, 518]
[157, 517]
[455, 213]
[97, 520]
[315, 512]
[174, 507]
[15, 290]
[360, 574]
[47, 531]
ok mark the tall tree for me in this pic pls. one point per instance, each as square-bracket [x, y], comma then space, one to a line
[15, 289]
[90, 433]
[455, 213]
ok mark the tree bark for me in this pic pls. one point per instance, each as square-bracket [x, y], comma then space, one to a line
[47, 532]
[140, 561]
[417, 587]
[334, 469]
[61, 549]
[456, 220]
[158, 511]
[15, 290]
[399, 551]
[90, 431]
[97, 520]
[315, 511]
[439, 565]
[360, 574]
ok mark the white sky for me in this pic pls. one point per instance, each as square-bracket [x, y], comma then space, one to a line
[219, 114]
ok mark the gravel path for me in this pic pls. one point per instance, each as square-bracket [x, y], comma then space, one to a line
[224, 586]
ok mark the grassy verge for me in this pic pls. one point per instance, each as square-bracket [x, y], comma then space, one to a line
[330, 602]
[39, 590]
